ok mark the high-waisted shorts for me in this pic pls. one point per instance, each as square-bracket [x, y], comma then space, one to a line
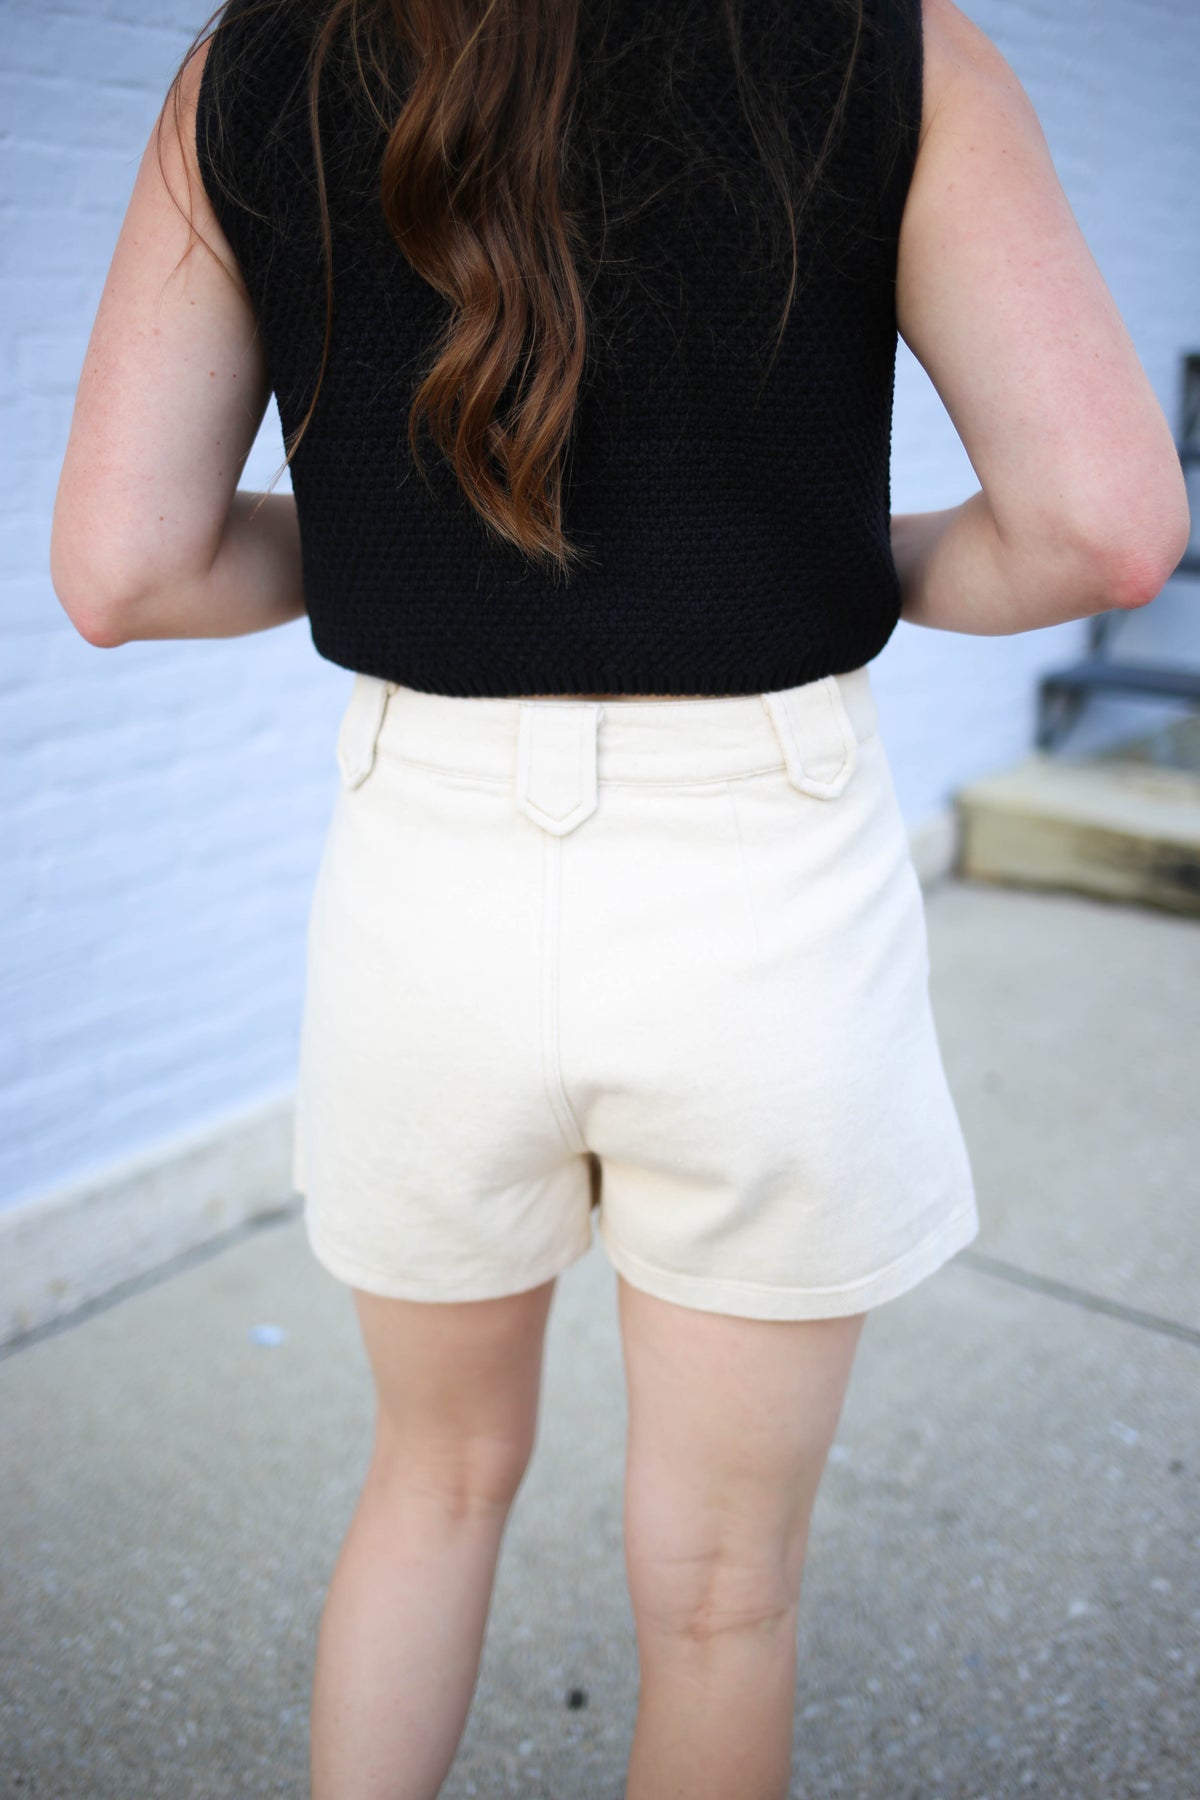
[660, 961]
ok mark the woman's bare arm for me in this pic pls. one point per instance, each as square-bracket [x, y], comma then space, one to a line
[1082, 503]
[253, 582]
[151, 536]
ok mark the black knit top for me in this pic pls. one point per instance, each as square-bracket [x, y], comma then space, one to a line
[736, 519]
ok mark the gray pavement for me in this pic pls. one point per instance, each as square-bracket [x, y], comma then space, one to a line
[1002, 1595]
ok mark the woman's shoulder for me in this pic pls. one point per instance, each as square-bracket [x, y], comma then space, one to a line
[959, 58]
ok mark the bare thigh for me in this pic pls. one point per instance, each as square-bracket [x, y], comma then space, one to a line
[730, 1426]
[456, 1391]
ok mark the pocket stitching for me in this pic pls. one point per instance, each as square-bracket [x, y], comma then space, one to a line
[361, 724]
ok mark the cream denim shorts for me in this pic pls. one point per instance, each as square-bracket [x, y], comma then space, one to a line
[664, 963]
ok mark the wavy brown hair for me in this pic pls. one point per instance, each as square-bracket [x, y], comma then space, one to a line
[472, 182]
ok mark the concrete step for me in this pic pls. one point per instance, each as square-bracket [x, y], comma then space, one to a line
[1123, 826]
[1172, 745]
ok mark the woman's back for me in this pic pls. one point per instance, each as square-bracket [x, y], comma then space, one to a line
[733, 510]
[730, 544]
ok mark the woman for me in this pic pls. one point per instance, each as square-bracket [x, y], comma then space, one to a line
[616, 912]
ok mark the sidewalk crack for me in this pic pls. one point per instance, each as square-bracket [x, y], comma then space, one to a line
[1075, 1296]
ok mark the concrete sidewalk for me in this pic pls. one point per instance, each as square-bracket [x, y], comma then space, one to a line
[1002, 1594]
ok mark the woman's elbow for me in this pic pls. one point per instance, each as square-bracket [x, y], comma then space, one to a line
[1133, 548]
[98, 619]
[101, 631]
[1137, 571]
[85, 596]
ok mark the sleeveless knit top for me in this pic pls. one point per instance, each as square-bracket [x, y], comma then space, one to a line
[736, 519]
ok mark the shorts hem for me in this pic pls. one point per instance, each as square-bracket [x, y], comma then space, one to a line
[756, 1300]
[348, 1269]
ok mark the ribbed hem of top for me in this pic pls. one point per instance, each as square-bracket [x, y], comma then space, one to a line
[514, 684]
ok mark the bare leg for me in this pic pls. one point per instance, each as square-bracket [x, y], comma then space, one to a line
[730, 1425]
[403, 1624]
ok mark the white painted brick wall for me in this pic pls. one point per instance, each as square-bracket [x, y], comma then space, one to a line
[163, 805]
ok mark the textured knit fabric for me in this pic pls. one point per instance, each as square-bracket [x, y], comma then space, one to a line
[736, 517]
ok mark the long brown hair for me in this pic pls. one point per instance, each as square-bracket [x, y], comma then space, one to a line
[472, 186]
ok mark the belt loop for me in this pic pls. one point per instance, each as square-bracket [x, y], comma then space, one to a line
[557, 745]
[816, 734]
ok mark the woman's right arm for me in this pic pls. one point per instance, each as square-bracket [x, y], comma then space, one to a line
[1082, 503]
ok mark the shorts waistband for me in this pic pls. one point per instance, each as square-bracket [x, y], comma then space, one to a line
[559, 752]
[636, 740]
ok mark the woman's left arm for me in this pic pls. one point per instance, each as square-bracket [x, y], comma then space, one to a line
[151, 537]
